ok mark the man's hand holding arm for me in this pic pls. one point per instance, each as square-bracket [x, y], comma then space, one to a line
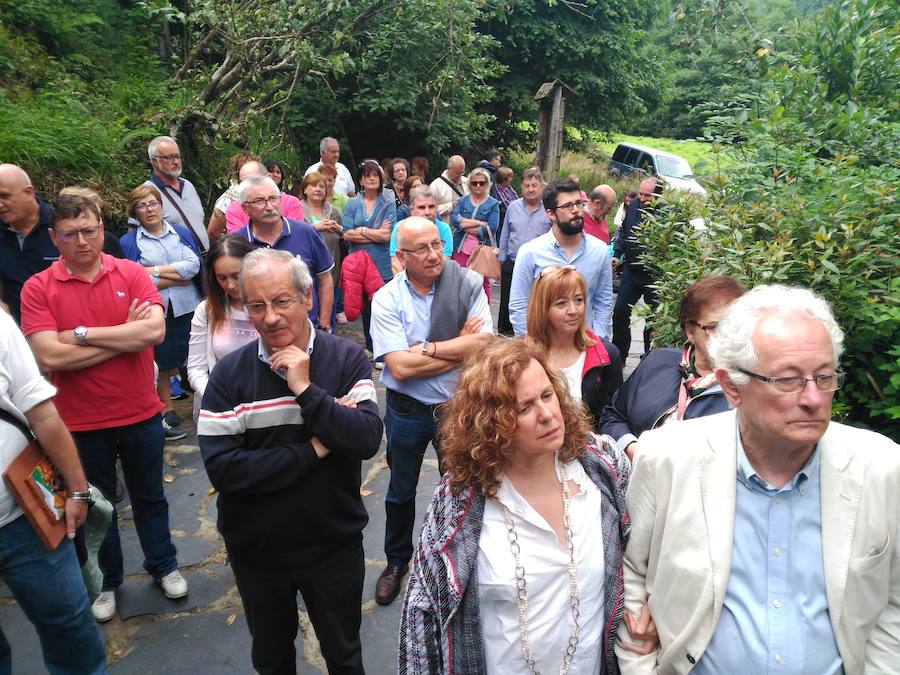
[130, 336]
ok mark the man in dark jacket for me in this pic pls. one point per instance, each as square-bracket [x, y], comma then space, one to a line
[636, 281]
[285, 424]
[491, 162]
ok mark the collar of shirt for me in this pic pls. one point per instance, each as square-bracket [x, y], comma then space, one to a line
[578, 250]
[285, 232]
[412, 289]
[167, 228]
[161, 184]
[516, 503]
[748, 476]
[263, 353]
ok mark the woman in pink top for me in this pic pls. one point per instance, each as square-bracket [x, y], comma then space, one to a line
[220, 324]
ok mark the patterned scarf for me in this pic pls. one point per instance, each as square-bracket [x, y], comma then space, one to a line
[691, 380]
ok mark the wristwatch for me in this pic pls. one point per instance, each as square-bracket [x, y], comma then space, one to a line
[81, 335]
[156, 271]
[87, 496]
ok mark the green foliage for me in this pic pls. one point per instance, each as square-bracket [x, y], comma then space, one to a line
[593, 46]
[811, 200]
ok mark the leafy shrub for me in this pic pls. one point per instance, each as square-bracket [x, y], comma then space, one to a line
[811, 201]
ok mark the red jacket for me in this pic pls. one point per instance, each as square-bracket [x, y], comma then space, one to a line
[358, 275]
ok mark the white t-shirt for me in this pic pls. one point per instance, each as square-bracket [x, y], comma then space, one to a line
[546, 564]
[344, 181]
[21, 388]
[573, 376]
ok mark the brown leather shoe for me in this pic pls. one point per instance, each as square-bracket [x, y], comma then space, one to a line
[388, 585]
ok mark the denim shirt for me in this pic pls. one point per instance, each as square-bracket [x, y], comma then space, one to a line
[488, 210]
[355, 216]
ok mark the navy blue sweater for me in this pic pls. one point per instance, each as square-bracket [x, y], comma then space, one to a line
[279, 504]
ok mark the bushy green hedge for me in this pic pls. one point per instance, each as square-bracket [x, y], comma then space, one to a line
[811, 202]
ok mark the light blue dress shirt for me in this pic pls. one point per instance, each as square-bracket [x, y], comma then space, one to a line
[168, 249]
[775, 615]
[400, 318]
[521, 226]
[591, 259]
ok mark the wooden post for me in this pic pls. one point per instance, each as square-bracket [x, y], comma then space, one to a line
[552, 98]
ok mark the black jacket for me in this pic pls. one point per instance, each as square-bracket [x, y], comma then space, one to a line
[601, 377]
[652, 391]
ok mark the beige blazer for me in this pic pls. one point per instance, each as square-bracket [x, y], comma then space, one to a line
[681, 500]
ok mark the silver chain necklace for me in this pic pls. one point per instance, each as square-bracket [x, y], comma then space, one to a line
[522, 592]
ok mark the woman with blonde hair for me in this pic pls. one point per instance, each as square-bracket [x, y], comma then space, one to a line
[591, 365]
[519, 565]
[474, 220]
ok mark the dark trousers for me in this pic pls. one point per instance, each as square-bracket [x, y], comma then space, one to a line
[332, 591]
[367, 321]
[504, 327]
[140, 446]
[409, 426]
[632, 287]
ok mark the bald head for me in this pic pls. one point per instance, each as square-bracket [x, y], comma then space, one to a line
[647, 190]
[252, 168]
[18, 207]
[410, 229]
[456, 167]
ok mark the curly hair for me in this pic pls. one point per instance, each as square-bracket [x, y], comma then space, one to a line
[479, 422]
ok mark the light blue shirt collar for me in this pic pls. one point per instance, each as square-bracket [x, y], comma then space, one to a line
[167, 228]
[749, 477]
[263, 353]
[404, 277]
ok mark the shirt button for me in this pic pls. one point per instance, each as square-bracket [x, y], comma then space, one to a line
[777, 500]
[778, 658]
[777, 551]
[776, 604]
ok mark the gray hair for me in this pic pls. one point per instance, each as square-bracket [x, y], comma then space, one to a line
[259, 261]
[251, 182]
[325, 142]
[420, 191]
[154, 144]
[533, 172]
[731, 347]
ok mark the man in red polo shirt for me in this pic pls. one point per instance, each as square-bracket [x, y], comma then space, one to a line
[91, 321]
[603, 198]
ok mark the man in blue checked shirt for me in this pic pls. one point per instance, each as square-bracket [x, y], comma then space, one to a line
[564, 244]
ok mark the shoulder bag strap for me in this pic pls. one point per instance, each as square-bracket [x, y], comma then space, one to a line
[187, 223]
[452, 186]
[7, 416]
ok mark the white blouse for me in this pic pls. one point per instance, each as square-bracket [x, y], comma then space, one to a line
[573, 376]
[546, 564]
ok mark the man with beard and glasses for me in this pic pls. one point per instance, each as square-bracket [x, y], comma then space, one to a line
[181, 203]
[564, 244]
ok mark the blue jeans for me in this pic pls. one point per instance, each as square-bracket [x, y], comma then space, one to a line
[631, 288]
[409, 426]
[140, 446]
[50, 590]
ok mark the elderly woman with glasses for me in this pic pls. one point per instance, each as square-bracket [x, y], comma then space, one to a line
[519, 564]
[171, 258]
[474, 220]
[675, 384]
[590, 364]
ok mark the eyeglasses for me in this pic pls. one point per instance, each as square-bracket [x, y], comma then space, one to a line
[273, 200]
[278, 305]
[72, 235]
[578, 204]
[169, 158]
[477, 183]
[795, 384]
[546, 269]
[708, 328]
[425, 249]
[147, 206]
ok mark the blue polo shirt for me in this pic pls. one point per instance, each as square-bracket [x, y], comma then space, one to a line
[303, 240]
[22, 258]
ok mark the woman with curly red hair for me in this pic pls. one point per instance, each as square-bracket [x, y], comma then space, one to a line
[518, 568]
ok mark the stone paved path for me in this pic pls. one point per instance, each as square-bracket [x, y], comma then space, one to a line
[206, 633]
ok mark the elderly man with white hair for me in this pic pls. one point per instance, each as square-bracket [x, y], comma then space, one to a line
[330, 153]
[767, 538]
[268, 228]
[285, 424]
[181, 203]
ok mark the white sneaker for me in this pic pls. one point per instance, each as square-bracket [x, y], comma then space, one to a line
[104, 607]
[340, 317]
[173, 585]
[379, 365]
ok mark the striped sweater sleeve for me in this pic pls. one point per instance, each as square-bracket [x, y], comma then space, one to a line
[234, 468]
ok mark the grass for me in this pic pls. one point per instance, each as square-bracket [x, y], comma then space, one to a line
[699, 154]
